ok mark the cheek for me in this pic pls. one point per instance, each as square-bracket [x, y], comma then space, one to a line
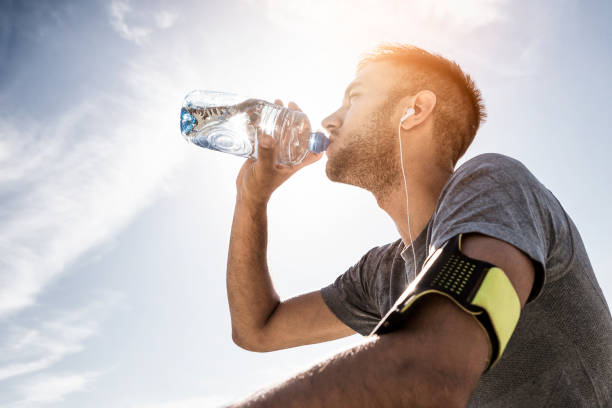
[353, 112]
[352, 120]
[361, 112]
[334, 145]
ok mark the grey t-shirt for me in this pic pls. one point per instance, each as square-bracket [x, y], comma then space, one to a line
[560, 354]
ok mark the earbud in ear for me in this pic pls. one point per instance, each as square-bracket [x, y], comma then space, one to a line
[409, 112]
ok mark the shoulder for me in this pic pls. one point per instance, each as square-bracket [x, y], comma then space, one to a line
[382, 252]
[493, 164]
[494, 171]
[497, 196]
[376, 266]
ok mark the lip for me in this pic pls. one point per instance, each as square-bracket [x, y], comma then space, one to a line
[329, 146]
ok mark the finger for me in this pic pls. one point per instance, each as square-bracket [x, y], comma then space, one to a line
[282, 167]
[265, 148]
[293, 106]
[310, 158]
[278, 102]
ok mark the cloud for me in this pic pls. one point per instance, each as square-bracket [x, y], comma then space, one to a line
[470, 14]
[118, 10]
[28, 348]
[468, 30]
[447, 27]
[53, 388]
[70, 184]
[165, 19]
[361, 16]
[199, 402]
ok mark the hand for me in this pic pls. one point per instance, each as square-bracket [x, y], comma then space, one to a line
[258, 179]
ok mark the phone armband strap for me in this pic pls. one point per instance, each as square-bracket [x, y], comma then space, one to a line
[477, 287]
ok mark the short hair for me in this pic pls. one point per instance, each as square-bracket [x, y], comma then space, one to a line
[459, 107]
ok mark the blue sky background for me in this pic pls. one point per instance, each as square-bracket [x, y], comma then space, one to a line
[114, 231]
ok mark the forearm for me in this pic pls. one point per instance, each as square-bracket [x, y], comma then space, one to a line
[413, 367]
[250, 292]
[365, 376]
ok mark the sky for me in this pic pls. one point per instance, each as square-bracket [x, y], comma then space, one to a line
[114, 230]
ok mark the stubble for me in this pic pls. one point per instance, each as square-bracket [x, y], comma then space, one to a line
[370, 160]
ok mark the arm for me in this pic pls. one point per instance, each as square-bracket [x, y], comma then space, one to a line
[436, 359]
[260, 321]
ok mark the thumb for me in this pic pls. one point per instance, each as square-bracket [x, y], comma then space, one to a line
[266, 148]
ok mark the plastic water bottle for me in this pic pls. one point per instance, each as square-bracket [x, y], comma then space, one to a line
[232, 124]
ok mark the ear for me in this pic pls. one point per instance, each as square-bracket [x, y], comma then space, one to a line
[423, 104]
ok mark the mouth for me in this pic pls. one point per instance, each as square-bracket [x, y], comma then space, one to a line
[329, 147]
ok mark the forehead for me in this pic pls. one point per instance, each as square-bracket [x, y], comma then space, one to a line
[382, 75]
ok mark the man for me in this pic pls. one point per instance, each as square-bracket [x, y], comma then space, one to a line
[412, 113]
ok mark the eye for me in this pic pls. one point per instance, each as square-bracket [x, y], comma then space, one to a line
[353, 95]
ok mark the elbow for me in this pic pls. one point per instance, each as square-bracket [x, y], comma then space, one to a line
[249, 343]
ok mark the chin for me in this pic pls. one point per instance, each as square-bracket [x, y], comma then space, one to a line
[334, 171]
[370, 172]
[329, 171]
[340, 171]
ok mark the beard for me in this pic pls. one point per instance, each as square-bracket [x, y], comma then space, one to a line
[370, 159]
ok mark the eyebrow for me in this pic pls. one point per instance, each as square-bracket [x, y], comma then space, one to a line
[351, 86]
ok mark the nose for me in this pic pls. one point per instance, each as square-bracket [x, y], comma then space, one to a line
[332, 122]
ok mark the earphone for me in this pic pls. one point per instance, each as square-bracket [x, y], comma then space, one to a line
[409, 112]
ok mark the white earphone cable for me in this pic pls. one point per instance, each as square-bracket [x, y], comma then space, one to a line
[399, 127]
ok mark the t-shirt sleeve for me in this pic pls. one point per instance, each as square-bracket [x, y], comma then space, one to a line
[496, 196]
[349, 296]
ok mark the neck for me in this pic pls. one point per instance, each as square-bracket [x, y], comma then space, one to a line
[424, 182]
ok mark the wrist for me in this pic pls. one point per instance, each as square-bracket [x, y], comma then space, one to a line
[252, 200]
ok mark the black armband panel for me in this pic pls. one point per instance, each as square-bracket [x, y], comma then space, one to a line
[477, 287]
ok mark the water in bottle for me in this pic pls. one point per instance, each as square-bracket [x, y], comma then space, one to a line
[229, 123]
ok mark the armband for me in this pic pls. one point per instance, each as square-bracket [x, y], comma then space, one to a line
[477, 287]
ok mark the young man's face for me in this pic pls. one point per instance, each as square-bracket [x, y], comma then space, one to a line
[364, 147]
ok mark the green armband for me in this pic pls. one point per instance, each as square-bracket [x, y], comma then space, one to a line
[477, 287]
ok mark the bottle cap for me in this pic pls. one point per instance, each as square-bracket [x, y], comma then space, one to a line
[187, 121]
[318, 142]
